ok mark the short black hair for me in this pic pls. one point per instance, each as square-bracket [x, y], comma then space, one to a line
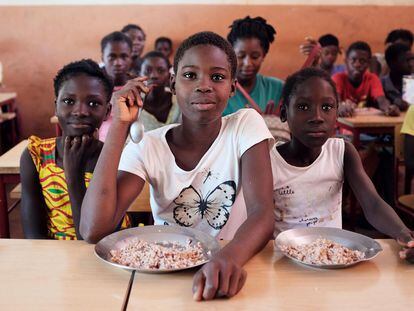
[128, 27]
[396, 34]
[252, 28]
[156, 54]
[394, 51]
[207, 38]
[328, 39]
[163, 39]
[115, 36]
[83, 67]
[359, 45]
[293, 81]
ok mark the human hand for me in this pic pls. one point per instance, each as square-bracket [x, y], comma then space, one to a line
[392, 111]
[270, 107]
[401, 104]
[220, 277]
[346, 108]
[76, 151]
[406, 240]
[307, 46]
[127, 101]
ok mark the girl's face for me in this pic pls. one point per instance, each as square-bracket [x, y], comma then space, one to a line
[157, 71]
[81, 105]
[312, 112]
[250, 56]
[138, 41]
[203, 83]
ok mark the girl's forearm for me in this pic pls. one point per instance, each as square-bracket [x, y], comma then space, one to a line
[250, 238]
[385, 219]
[98, 208]
[76, 190]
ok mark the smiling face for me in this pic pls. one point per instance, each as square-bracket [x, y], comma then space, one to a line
[312, 112]
[250, 56]
[117, 59]
[203, 84]
[138, 41]
[357, 63]
[81, 105]
[157, 71]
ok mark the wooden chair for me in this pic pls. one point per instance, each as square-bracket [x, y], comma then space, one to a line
[142, 208]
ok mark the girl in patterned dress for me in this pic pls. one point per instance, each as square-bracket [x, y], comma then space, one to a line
[55, 172]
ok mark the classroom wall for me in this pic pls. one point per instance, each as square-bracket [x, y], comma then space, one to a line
[36, 41]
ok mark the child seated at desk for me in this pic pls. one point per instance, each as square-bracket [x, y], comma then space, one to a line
[56, 171]
[357, 87]
[160, 105]
[137, 36]
[116, 51]
[309, 171]
[251, 39]
[194, 168]
[398, 57]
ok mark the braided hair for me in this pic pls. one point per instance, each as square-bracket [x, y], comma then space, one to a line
[256, 27]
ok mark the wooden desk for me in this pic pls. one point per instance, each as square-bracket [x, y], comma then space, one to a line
[370, 124]
[276, 283]
[58, 275]
[8, 102]
[8, 99]
[9, 173]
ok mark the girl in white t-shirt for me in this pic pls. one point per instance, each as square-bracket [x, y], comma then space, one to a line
[195, 169]
[309, 170]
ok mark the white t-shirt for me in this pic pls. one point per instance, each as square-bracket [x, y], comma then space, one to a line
[309, 196]
[209, 197]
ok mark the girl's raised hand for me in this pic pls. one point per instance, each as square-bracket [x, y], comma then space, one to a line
[126, 101]
[406, 239]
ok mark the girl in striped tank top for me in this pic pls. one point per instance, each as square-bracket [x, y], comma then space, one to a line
[55, 172]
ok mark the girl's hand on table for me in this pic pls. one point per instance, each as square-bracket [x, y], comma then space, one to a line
[220, 277]
[127, 101]
[406, 239]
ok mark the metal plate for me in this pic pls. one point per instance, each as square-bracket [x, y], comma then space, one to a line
[349, 239]
[156, 234]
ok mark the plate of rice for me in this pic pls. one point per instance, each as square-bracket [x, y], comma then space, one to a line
[326, 248]
[157, 249]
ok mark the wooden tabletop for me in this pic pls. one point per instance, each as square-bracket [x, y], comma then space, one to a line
[10, 161]
[276, 283]
[57, 275]
[372, 120]
[4, 97]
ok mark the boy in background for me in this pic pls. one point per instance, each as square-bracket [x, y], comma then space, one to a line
[398, 57]
[357, 87]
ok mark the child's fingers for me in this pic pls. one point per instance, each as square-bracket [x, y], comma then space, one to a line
[67, 143]
[406, 240]
[211, 282]
[198, 286]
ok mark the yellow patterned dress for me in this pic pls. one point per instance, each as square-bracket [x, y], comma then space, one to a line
[54, 189]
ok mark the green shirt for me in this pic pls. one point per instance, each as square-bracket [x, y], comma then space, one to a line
[265, 89]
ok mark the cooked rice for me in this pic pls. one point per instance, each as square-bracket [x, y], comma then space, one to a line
[141, 254]
[323, 252]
